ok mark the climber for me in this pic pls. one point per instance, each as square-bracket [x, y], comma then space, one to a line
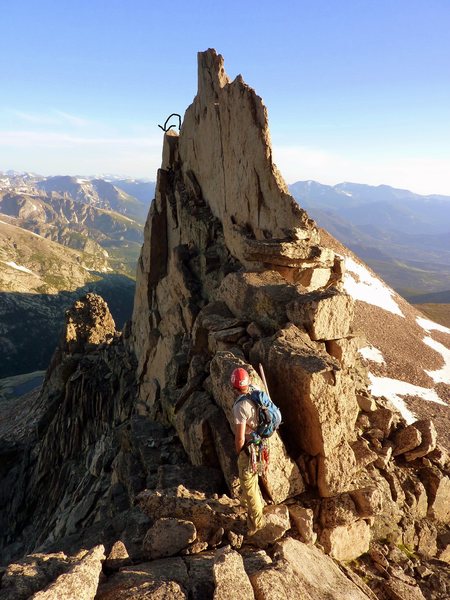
[255, 419]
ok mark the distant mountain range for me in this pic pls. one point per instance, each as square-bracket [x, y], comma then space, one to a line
[405, 237]
[61, 237]
[96, 216]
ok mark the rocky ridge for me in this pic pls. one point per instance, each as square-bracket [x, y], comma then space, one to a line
[52, 249]
[133, 451]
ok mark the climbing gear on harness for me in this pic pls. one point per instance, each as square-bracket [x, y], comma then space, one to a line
[259, 457]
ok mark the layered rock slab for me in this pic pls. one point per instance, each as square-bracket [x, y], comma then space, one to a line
[319, 406]
[302, 571]
[80, 582]
[165, 579]
[231, 580]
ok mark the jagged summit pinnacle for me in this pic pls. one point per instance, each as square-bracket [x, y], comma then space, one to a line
[225, 141]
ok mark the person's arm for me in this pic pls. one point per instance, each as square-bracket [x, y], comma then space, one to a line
[239, 436]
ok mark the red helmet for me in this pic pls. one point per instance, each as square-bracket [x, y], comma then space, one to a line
[240, 379]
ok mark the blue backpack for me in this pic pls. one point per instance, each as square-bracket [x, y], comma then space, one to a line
[269, 415]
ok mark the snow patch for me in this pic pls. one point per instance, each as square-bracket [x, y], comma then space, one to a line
[430, 325]
[441, 375]
[14, 265]
[373, 354]
[392, 389]
[367, 288]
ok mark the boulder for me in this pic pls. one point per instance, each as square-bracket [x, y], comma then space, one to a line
[319, 407]
[344, 350]
[255, 559]
[231, 580]
[368, 501]
[366, 402]
[363, 454]
[303, 519]
[165, 579]
[313, 279]
[21, 579]
[426, 533]
[437, 487]
[192, 421]
[338, 510]
[346, 542]
[416, 499]
[225, 451]
[406, 439]
[207, 514]
[326, 315]
[260, 297]
[282, 479]
[336, 471]
[382, 419]
[117, 558]
[429, 439]
[317, 574]
[201, 577]
[288, 253]
[277, 523]
[396, 589]
[80, 582]
[279, 582]
[167, 537]
[384, 455]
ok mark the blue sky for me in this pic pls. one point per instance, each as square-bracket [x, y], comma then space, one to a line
[357, 90]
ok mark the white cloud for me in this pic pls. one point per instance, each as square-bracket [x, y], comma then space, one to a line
[73, 119]
[68, 153]
[54, 139]
[53, 118]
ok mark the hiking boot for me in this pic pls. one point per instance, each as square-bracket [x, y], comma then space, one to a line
[251, 531]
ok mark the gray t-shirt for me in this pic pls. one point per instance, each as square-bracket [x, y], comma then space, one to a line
[244, 411]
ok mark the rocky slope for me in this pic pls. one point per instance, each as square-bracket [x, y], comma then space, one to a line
[407, 354]
[54, 247]
[107, 239]
[39, 280]
[403, 236]
[130, 443]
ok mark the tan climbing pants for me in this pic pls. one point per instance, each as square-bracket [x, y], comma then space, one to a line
[251, 494]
